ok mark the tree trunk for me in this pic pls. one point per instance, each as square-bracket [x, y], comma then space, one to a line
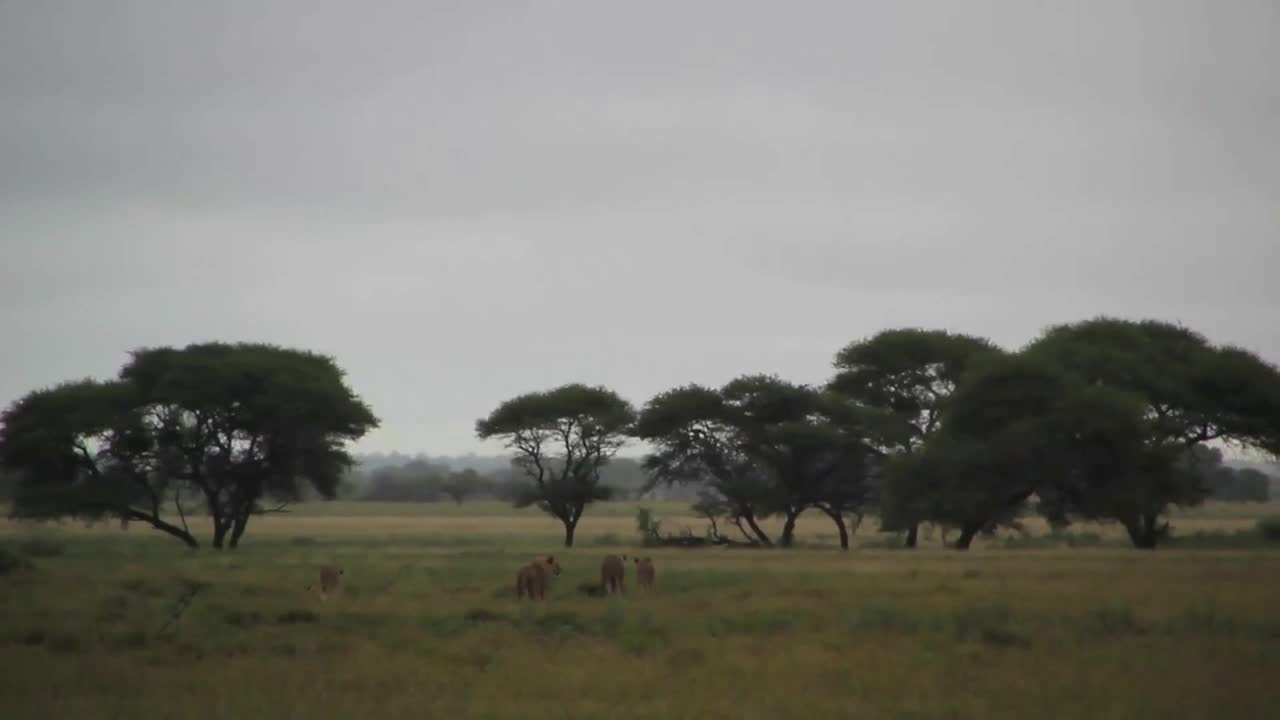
[756, 529]
[913, 535]
[789, 528]
[242, 521]
[220, 528]
[967, 534]
[569, 527]
[1143, 531]
[220, 522]
[838, 519]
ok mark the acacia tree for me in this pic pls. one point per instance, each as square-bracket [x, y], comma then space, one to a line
[81, 450]
[907, 374]
[236, 424]
[1190, 392]
[696, 441]
[1018, 427]
[813, 446]
[562, 438]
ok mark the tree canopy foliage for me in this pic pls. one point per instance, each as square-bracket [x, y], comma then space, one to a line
[1103, 420]
[235, 425]
[908, 374]
[561, 439]
[697, 441]
[764, 446]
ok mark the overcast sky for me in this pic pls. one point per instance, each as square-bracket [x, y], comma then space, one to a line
[462, 201]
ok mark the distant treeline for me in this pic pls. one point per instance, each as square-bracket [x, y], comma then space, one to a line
[1235, 484]
[397, 477]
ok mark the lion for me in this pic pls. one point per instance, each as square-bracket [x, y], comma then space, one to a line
[644, 572]
[613, 572]
[330, 578]
[532, 579]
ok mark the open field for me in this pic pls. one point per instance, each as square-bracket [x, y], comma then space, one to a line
[427, 625]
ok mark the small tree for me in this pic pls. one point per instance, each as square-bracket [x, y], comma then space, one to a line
[908, 374]
[562, 438]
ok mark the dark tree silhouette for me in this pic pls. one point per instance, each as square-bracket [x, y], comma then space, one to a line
[908, 374]
[239, 424]
[562, 438]
[696, 441]
[1190, 391]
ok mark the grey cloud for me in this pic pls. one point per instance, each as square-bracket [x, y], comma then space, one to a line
[428, 190]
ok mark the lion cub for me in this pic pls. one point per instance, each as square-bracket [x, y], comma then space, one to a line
[532, 579]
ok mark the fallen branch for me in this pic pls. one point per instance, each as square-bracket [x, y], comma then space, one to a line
[193, 588]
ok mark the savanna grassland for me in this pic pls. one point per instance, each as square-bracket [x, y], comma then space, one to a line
[426, 625]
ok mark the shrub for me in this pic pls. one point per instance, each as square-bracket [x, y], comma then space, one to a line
[648, 526]
[1269, 528]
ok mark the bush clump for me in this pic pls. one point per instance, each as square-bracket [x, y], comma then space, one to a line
[1269, 528]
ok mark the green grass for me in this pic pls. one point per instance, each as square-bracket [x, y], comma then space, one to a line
[427, 625]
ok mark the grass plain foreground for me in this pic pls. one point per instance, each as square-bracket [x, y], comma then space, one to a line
[426, 625]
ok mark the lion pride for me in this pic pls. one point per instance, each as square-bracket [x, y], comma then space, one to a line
[532, 579]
